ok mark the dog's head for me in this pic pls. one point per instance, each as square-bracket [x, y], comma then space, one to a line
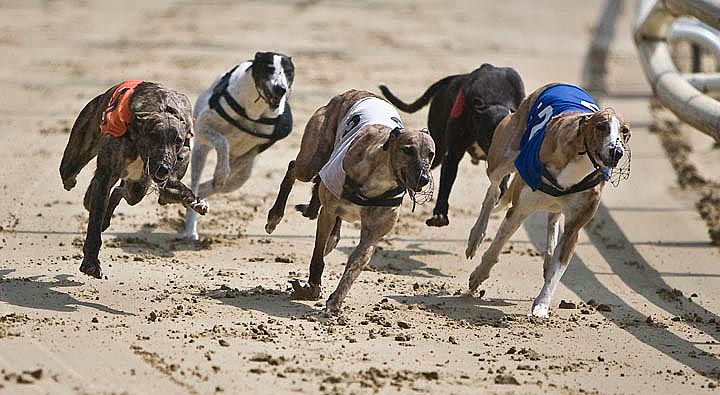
[411, 153]
[485, 118]
[273, 74]
[162, 140]
[605, 134]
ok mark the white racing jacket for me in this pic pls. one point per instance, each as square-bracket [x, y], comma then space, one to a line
[367, 111]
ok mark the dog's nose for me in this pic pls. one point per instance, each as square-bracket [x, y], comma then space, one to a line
[616, 153]
[162, 172]
[424, 179]
[279, 90]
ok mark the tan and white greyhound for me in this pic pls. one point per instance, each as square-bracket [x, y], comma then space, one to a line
[580, 147]
[362, 161]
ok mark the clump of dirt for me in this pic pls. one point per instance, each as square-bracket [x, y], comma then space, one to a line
[671, 295]
[709, 208]
[678, 151]
[227, 292]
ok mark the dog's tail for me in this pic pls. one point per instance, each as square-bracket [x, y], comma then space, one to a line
[419, 103]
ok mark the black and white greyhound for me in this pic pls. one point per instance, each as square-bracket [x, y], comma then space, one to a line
[241, 114]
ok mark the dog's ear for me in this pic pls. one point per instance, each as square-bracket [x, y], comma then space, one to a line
[584, 119]
[393, 135]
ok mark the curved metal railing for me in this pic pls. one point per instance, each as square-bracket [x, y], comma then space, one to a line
[652, 29]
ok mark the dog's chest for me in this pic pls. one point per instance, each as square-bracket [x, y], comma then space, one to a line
[241, 143]
[134, 170]
[575, 171]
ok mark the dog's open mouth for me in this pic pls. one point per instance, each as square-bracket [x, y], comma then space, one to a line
[421, 194]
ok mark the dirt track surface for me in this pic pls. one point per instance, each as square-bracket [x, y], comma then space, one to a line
[215, 316]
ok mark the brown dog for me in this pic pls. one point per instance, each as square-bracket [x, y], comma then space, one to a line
[362, 161]
[140, 136]
[580, 147]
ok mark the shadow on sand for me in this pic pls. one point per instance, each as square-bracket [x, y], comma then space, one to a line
[37, 294]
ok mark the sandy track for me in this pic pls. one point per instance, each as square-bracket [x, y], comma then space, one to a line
[179, 317]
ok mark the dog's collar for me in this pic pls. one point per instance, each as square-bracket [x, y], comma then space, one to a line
[600, 174]
[220, 91]
[390, 198]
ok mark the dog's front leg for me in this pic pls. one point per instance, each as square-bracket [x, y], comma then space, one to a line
[376, 222]
[277, 211]
[576, 218]
[492, 196]
[325, 224]
[97, 201]
[197, 164]
[222, 148]
[553, 232]
[175, 191]
[513, 219]
[448, 173]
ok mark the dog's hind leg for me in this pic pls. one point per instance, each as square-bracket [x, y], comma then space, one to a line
[513, 219]
[82, 145]
[575, 219]
[197, 164]
[553, 232]
[334, 237]
[492, 196]
[133, 192]
[277, 211]
[376, 222]
[311, 209]
[325, 224]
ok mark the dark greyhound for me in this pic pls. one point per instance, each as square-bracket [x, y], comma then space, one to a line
[463, 115]
[152, 147]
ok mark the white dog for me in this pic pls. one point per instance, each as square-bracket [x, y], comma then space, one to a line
[240, 115]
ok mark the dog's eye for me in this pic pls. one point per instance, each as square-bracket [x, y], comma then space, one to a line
[603, 127]
[625, 130]
[409, 150]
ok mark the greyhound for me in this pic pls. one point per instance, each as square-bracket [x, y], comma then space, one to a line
[362, 162]
[140, 133]
[240, 115]
[463, 115]
[564, 149]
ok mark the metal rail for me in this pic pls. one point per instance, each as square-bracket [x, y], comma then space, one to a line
[652, 25]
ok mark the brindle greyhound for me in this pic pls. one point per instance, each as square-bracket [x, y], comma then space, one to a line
[153, 149]
[362, 162]
[580, 146]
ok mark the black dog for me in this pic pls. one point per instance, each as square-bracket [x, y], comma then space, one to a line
[139, 132]
[463, 115]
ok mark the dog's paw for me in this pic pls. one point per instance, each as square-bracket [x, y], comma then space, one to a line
[91, 267]
[200, 206]
[476, 237]
[332, 312]
[477, 277]
[220, 176]
[305, 292]
[272, 222]
[438, 220]
[192, 235]
[540, 310]
[69, 183]
[305, 210]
